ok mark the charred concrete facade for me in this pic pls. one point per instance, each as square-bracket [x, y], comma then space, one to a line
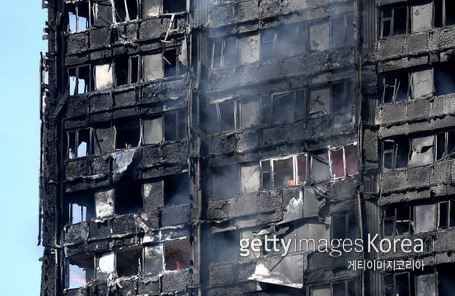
[173, 129]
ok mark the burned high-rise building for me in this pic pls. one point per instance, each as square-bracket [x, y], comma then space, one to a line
[173, 131]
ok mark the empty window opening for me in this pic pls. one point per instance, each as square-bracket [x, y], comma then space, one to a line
[395, 87]
[341, 96]
[395, 153]
[103, 139]
[397, 284]
[398, 220]
[284, 172]
[81, 207]
[127, 70]
[422, 83]
[224, 53]
[125, 10]
[337, 162]
[344, 288]
[446, 214]
[444, 13]
[320, 100]
[224, 246]
[284, 107]
[79, 143]
[153, 259]
[175, 125]
[394, 20]
[176, 190]
[320, 291]
[127, 134]
[129, 261]
[79, 16]
[79, 80]
[128, 198]
[174, 6]
[226, 115]
[343, 225]
[225, 181]
[342, 31]
[249, 113]
[269, 44]
[171, 63]
[80, 271]
[177, 254]
[444, 79]
[250, 176]
[152, 130]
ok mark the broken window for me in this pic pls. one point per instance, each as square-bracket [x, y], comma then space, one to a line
[177, 190]
[103, 76]
[398, 220]
[79, 143]
[248, 49]
[249, 113]
[268, 44]
[128, 198]
[224, 53]
[105, 265]
[226, 114]
[175, 125]
[225, 181]
[224, 246]
[129, 261]
[80, 16]
[177, 254]
[444, 79]
[395, 153]
[422, 17]
[395, 87]
[283, 107]
[171, 63]
[283, 172]
[397, 284]
[128, 134]
[79, 80]
[394, 20]
[344, 288]
[81, 207]
[319, 34]
[444, 13]
[284, 41]
[320, 169]
[320, 291]
[127, 70]
[422, 151]
[341, 96]
[342, 31]
[125, 10]
[153, 259]
[152, 130]
[153, 67]
[425, 218]
[446, 214]
[104, 203]
[343, 225]
[344, 161]
[80, 271]
[320, 100]
[174, 6]
[151, 8]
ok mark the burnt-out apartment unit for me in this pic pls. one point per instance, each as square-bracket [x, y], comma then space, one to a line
[173, 130]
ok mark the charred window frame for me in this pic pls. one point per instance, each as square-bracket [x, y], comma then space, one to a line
[396, 86]
[398, 284]
[171, 63]
[127, 133]
[80, 270]
[343, 225]
[79, 80]
[343, 161]
[125, 10]
[398, 220]
[341, 96]
[224, 53]
[284, 41]
[338, 288]
[80, 207]
[445, 144]
[444, 78]
[127, 70]
[395, 20]
[79, 143]
[80, 15]
[284, 171]
[444, 13]
[288, 106]
[174, 6]
[446, 214]
[175, 125]
[224, 246]
[395, 153]
[342, 31]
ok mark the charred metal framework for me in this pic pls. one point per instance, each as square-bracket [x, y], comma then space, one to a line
[172, 129]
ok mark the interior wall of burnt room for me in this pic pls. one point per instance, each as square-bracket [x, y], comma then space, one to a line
[171, 130]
